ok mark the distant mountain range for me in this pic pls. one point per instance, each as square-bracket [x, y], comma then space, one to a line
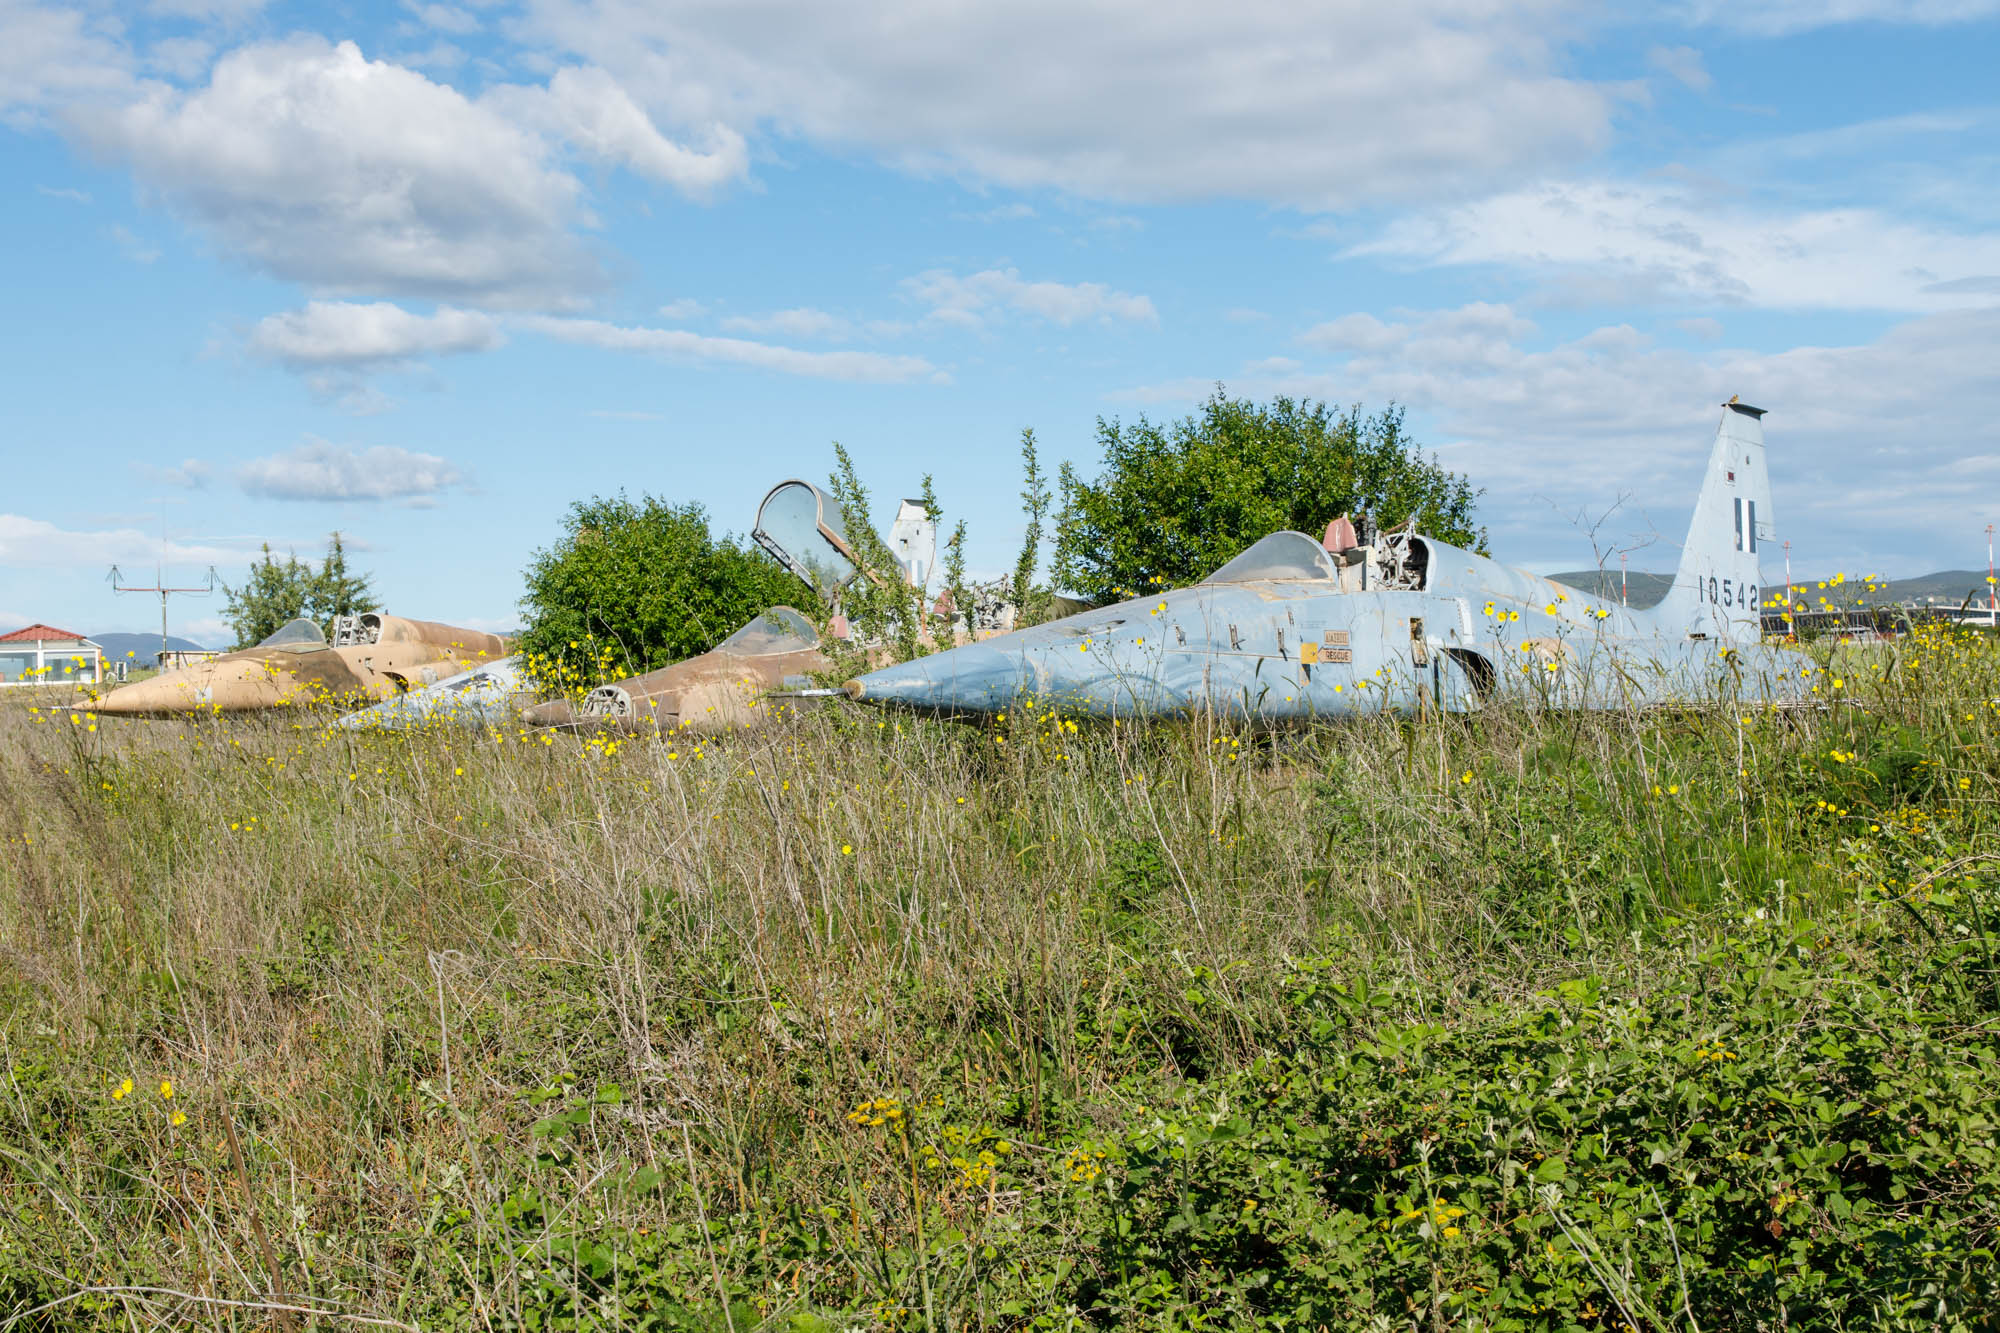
[1646, 590]
[1947, 586]
[145, 648]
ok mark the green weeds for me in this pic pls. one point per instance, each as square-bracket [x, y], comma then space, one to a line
[1506, 1022]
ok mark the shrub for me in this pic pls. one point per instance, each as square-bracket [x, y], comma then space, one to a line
[1173, 503]
[635, 586]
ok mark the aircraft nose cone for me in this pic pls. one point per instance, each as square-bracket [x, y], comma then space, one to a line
[178, 692]
[555, 713]
[226, 685]
[976, 678]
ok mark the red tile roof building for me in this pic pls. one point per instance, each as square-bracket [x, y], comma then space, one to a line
[43, 654]
[41, 633]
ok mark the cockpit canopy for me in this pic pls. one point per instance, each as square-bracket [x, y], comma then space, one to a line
[296, 636]
[1282, 555]
[779, 630]
[805, 529]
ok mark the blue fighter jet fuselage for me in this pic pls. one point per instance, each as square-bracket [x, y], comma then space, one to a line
[1296, 629]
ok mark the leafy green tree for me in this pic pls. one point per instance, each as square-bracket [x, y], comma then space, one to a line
[957, 594]
[941, 601]
[276, 593]
[635, 586]
[335, 591]
[1031, 603]
[1174, 502]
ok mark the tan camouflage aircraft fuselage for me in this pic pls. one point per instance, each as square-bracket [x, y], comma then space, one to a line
[297, 667]
[717, 691]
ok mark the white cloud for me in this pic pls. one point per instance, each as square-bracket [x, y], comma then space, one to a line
[354, 335]
[1917, 134]
[1358, 332]
[1272, 365]
[319, 470]
[180, 57]
[1682, 64]
[1874, 446]
[685, 307]
[360, 177]
[964, 300]
[680, 345]
[1316, 105]
[1014, 212]
[53, 56]
[1774, 18]
[191, 475]
[801, 322]
[349, 391]
[447, 18]
[1653, 241]
[208, 11]
[355, 176]
[131, 245]
[203, 630]
[1467, 338]
[590, 111]
[73, 196]
[440, 55]
[33, 543]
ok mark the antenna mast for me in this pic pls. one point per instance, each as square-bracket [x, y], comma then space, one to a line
[160, 586]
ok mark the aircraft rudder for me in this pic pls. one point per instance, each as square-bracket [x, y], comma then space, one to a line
[1719, 585]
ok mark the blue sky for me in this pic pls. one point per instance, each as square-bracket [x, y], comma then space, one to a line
[425, 273]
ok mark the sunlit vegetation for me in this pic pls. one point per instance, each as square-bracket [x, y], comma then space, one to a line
[859, 1020]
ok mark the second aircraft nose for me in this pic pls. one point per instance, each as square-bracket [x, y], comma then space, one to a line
[975, 678]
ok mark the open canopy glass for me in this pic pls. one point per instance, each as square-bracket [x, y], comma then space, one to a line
[803, 527]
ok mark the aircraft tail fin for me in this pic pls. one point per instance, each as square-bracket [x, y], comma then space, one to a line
[1717, 589]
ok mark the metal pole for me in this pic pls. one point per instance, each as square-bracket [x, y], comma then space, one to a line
[1993, 589]
[1623, 600]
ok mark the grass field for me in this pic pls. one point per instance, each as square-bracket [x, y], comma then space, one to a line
[1510, 1022]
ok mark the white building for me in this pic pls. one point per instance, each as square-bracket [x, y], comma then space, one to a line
[913, 541]
[45, 655]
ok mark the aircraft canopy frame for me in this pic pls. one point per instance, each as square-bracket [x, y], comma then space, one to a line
[805, 531]
[1287, 556]
[297, 635]
[772, 633]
